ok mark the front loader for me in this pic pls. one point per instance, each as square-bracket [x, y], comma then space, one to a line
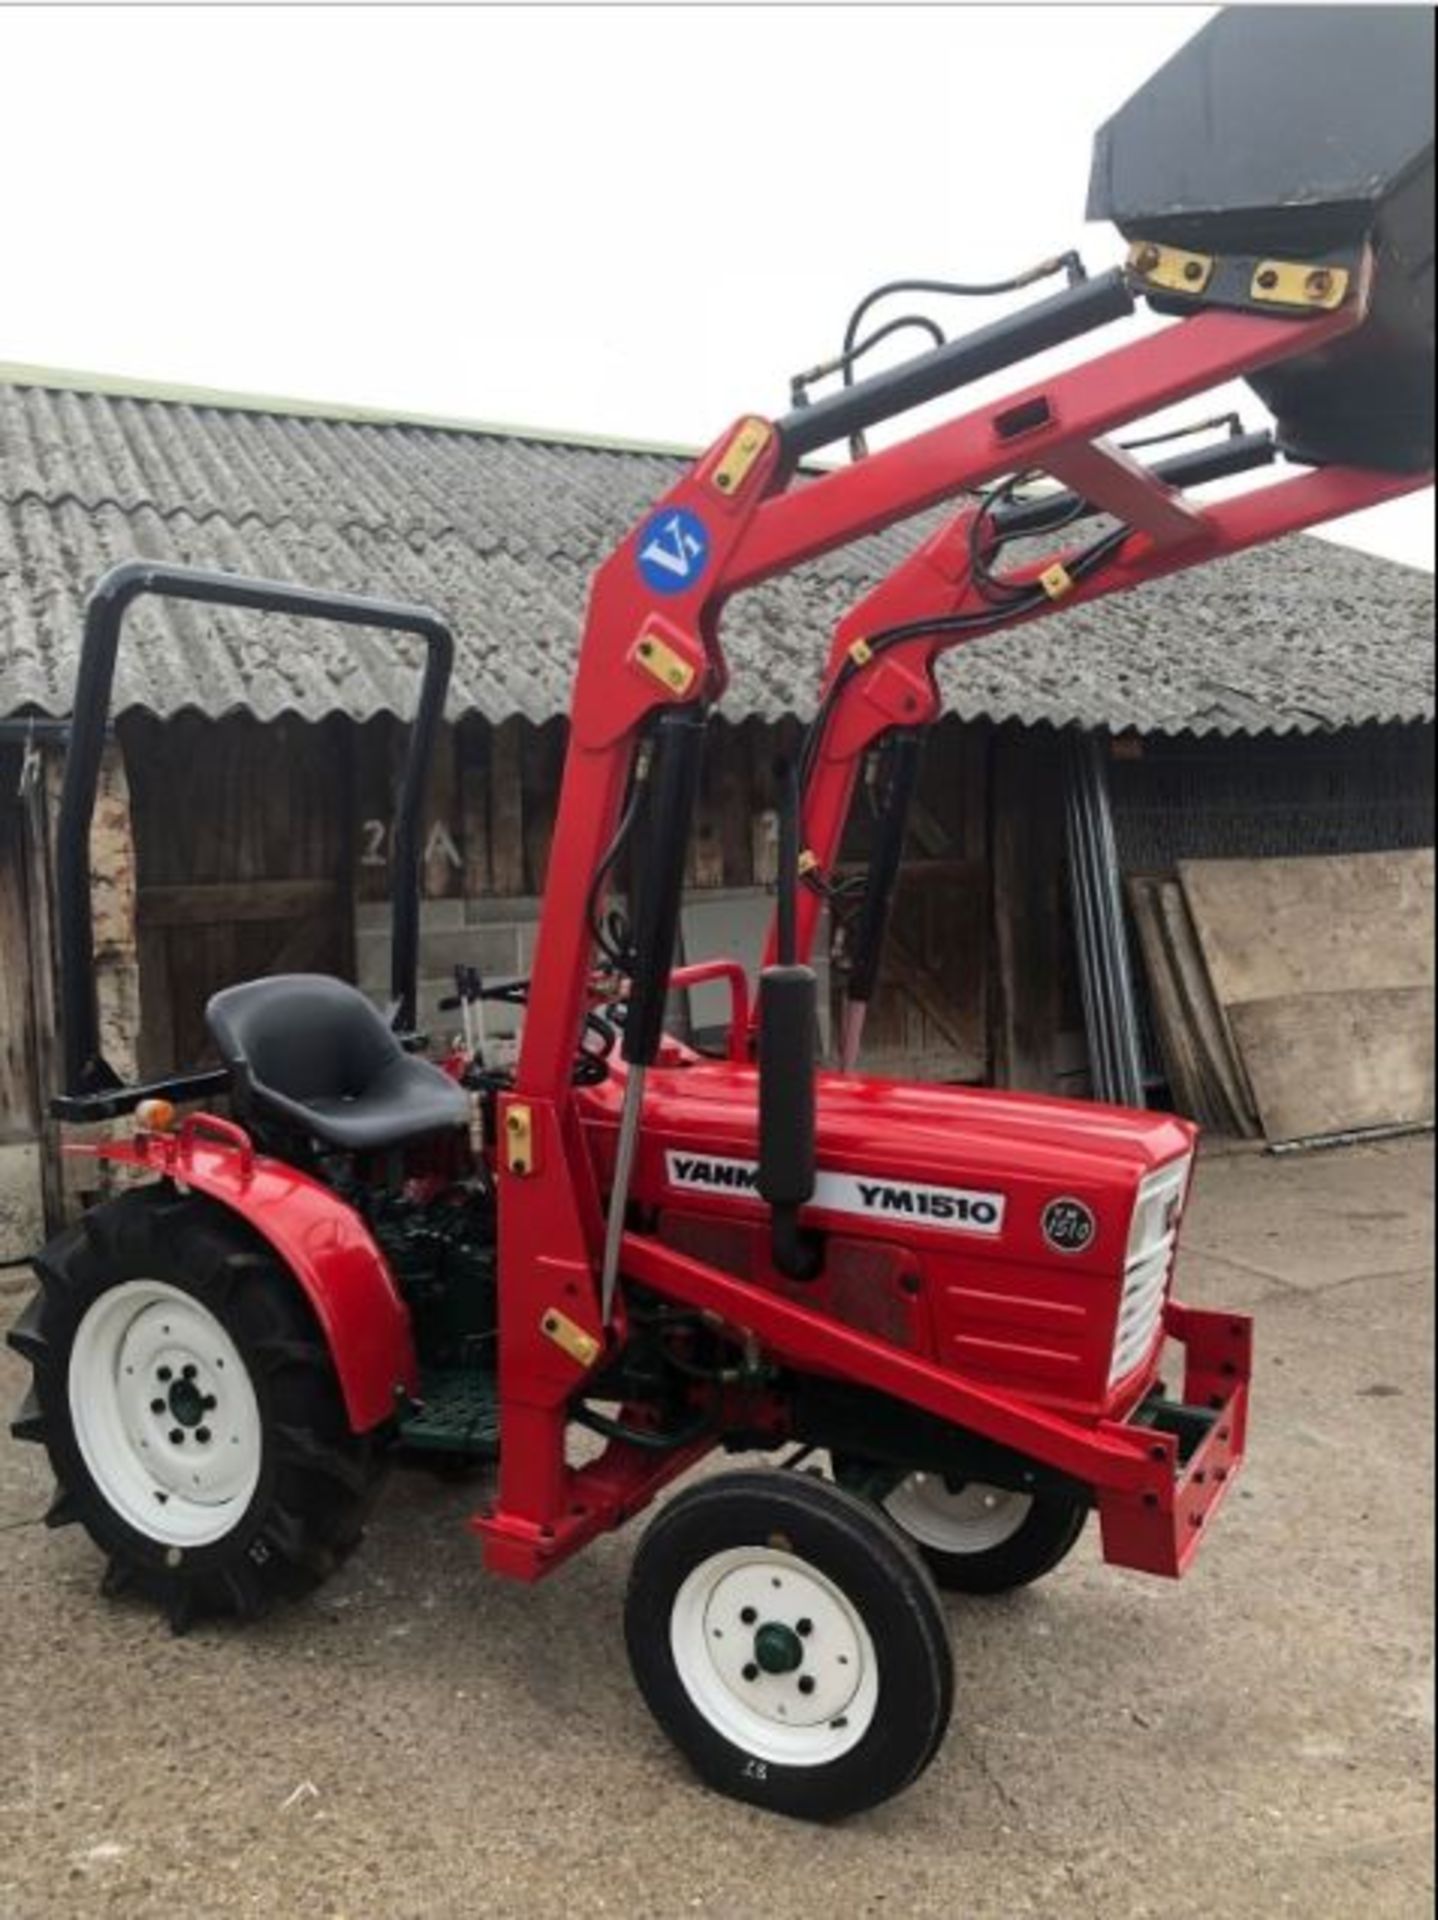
[941, 1317]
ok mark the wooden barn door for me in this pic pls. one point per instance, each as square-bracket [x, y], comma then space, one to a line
[928, 1019]
[242, 858]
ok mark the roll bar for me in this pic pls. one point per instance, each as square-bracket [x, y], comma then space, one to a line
[92, 1090]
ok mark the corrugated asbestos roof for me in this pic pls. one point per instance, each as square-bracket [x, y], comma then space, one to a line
[500, 532]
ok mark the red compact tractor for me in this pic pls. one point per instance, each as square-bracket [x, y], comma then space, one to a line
[622, 1255]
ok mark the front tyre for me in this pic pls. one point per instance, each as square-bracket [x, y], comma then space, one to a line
[190, 1408]
[982, 1539]
[789, 1643]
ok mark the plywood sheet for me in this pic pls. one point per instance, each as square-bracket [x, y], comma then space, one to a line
[1273, 928]
[1181, 1065]
[1338, 1062]
[1203, 1071]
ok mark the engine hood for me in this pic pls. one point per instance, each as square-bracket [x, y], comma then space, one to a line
[941, 1126]
[943, 1163]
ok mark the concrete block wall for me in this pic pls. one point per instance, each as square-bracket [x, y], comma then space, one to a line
[497, 936]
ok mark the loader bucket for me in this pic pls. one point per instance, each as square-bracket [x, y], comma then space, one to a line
[1301, 133]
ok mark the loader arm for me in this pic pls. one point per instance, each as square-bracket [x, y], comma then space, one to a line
[646, 648]
[869, 690]
[651, 648]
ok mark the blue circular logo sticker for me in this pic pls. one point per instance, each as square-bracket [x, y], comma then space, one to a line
[673, 550]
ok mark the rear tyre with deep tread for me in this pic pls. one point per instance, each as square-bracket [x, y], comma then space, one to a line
[790, 1643]
[161, 1315]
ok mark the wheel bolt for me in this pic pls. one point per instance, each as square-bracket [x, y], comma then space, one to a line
[751, 1672]
[804, 1627]
[164, 1373]
[157, 1406]
[202, 1434]
[177, 1436]
[748, 1616]
[189, 1371]
[806, 1683]
[209, 1403]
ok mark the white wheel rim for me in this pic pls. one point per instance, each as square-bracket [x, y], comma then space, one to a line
[974, 1520]
[164, 1414]
[804, 1715]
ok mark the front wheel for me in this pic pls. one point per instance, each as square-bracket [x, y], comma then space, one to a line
[190, 1408]
[982, 1539]
[789, 1643]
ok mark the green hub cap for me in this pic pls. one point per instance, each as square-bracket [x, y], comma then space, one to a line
[777, 1648]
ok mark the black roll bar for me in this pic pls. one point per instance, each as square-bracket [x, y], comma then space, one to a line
[91, 1088]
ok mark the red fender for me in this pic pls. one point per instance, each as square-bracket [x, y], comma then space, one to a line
[324, 1244]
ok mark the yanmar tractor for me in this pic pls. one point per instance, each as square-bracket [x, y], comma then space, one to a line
[623, 1255]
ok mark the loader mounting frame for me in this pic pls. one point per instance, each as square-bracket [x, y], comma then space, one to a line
[651, 642]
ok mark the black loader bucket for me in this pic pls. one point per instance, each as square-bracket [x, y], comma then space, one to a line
[1294, 137]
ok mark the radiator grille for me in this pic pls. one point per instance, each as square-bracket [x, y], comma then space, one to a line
[1152, 1235]
[1145, 1281]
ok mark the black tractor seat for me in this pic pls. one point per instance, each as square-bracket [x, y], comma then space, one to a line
[314, 1052]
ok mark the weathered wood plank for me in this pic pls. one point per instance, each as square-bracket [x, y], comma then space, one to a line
[732, 803]
[1026, 863]
[1222, 1066]
[1180, 1065]
[442, 868]
[542, 769]
[235, 900]
[506, 809]
[157, 1050]
[1334, 1062]
[474, 754]
[704, 856]
[1192, 1039]
[370, 824]
[19, 1108]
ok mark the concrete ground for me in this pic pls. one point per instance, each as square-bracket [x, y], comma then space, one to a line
[421, 1740]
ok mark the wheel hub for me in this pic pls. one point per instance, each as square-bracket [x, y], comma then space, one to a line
[958, 1517]
[777, 1648]
[186, 1402]
[164, 1413]
[772, 1646]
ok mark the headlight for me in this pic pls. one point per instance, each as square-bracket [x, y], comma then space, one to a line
[1156, 1210]
[1147, 1264]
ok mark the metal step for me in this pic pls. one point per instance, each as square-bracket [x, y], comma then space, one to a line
[458, 1413]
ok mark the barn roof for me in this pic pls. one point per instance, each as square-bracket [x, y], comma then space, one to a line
[499, 530]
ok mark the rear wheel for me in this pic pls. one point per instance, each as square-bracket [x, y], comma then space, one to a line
[789, 1643]
[190, 1408]
[983, 1539]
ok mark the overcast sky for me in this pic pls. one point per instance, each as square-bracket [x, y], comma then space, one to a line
[633, 222]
